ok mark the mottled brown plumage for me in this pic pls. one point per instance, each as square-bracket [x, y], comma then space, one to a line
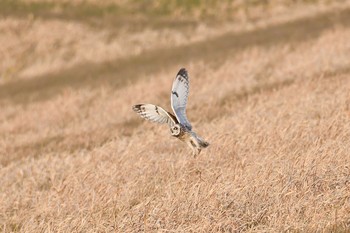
[179, 125]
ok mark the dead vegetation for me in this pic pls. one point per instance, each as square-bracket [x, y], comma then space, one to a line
[273, 100]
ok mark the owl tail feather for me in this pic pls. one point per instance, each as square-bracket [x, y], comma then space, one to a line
[202, 143]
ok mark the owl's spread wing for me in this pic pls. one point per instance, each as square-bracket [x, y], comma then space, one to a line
[179, 96]
[155, 113]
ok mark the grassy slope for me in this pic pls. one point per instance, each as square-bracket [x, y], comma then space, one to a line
[273, 103]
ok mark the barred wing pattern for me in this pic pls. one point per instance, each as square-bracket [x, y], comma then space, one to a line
[179, 96]
[155, 113]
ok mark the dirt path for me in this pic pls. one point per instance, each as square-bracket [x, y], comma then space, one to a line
[215, 51]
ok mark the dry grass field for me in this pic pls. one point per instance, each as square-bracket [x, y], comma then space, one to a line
[270, 91]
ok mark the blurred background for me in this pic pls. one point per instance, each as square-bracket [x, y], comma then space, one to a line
[269, 90]
[42, 37]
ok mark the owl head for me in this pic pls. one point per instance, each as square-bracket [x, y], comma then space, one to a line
[175, 130]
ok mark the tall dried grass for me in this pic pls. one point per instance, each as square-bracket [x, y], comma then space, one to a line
[276, 114]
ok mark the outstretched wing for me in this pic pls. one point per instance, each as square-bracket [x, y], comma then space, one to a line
[179, 95]
[155, 113]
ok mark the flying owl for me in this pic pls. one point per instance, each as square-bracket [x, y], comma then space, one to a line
[179, 125]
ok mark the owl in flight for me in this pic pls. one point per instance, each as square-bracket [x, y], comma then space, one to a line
[179, 125]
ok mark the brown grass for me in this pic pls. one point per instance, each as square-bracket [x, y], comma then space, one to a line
[273, 101]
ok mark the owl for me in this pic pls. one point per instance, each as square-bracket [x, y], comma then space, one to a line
[178, 123]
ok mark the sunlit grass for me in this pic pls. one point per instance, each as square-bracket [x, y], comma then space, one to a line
[182, 9]
[272, 100]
